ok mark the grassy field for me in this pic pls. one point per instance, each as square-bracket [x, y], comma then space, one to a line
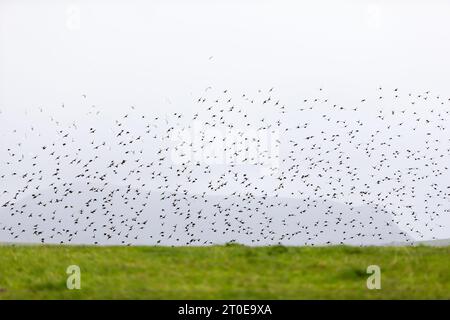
[224, 272]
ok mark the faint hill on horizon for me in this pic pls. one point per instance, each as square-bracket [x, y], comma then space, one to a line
[112, 215]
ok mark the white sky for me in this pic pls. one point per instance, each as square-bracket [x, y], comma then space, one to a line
[145, 52]
[161, 55]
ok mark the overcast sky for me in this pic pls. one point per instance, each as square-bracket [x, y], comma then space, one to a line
[146, 52]
[161, 55]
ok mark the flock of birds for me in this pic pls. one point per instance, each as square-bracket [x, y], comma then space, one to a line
[238, 168]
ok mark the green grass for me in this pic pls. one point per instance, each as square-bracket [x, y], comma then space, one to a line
[224, 272]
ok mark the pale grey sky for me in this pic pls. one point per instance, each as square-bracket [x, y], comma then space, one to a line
[160, 56]
[145, 52]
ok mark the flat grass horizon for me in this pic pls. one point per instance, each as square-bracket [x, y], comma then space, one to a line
[223, 272]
